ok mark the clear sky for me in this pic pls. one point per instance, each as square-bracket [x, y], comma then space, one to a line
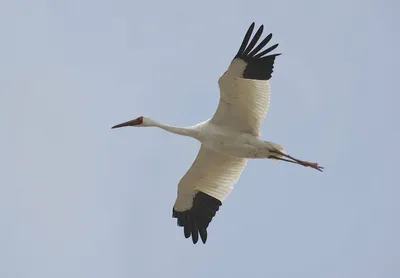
[78, 199]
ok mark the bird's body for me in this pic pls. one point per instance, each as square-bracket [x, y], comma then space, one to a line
[232, 142]
[228, 139]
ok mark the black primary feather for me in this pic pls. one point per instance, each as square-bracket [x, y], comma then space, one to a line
[196, 220]
[259, 66]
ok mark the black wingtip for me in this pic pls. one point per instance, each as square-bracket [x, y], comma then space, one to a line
[260, 63]
[195, 221]
[195, 234]
[186, 231]
[253, 42]
[246, 40]
[203, 235]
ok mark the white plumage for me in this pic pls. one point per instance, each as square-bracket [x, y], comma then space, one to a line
[228, 139]
[243, 102]
[213, 173]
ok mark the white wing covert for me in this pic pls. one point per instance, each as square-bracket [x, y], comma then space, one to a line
[202, 189]
[244, 87]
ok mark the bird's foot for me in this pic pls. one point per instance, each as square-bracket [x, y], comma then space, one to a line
[312, 165]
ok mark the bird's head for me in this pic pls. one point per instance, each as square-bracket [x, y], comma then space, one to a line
[141, 121]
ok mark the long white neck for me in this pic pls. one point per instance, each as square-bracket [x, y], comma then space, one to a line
[185, 131]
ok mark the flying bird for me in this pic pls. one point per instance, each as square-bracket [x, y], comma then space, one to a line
[228, 139]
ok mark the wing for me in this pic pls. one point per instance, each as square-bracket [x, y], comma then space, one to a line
[202, 190]
[244, 87]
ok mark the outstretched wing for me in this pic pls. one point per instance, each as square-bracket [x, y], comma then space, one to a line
[202, 190]
[244, 87]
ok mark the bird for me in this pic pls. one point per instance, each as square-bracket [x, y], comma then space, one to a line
[228, 139]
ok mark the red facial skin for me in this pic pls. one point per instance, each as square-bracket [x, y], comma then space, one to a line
[139, 120]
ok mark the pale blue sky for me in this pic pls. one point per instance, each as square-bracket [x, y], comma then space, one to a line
[78, 199]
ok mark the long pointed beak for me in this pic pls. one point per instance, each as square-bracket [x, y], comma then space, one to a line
[128, 123]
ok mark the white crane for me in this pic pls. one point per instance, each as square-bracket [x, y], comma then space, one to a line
[228, 139]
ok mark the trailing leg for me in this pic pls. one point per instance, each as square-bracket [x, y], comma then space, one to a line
[276, 154]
